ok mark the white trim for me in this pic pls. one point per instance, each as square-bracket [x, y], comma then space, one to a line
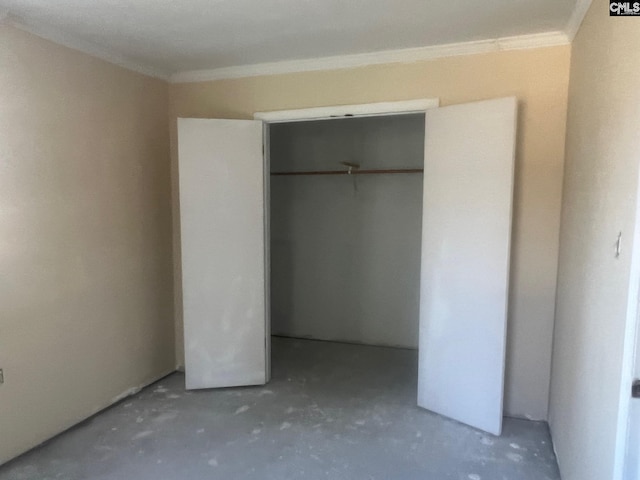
[61, 38]
[407, 55]
[535, 40]
[577, 17]
[358, 110]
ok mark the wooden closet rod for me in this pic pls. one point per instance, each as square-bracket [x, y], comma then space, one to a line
[353, 172]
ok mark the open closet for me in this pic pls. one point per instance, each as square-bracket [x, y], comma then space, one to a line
[345, 216]
[386, 225]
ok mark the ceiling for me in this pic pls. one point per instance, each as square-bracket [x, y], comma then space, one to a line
[185, 35]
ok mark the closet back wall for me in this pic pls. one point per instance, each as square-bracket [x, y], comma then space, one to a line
[345, 250]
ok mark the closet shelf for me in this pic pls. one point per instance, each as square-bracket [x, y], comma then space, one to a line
[352, 172]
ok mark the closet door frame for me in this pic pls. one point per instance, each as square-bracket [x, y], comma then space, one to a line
[338, 111]
[305, 115]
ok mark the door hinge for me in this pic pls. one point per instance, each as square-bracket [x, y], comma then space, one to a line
[635, 389]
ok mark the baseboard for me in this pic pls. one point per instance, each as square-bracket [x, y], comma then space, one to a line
[347, 342]
[132, 391]
[526, 418]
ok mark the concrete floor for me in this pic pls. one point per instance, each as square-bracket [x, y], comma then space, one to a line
[331, 411]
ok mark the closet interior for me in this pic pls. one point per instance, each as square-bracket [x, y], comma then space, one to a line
[345, 229]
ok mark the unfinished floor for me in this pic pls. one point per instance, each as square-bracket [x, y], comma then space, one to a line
[331, 411]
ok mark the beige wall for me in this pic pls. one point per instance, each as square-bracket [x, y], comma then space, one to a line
[601, 180]
[85, 237]
[539, 78]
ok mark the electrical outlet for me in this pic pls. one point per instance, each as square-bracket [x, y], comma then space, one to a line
[1, 376]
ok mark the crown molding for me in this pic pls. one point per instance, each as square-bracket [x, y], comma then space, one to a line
[577, 17]
[407, 55]
[61, 38]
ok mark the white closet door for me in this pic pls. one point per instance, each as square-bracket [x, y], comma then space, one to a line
[222, 217]
[466, 236]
